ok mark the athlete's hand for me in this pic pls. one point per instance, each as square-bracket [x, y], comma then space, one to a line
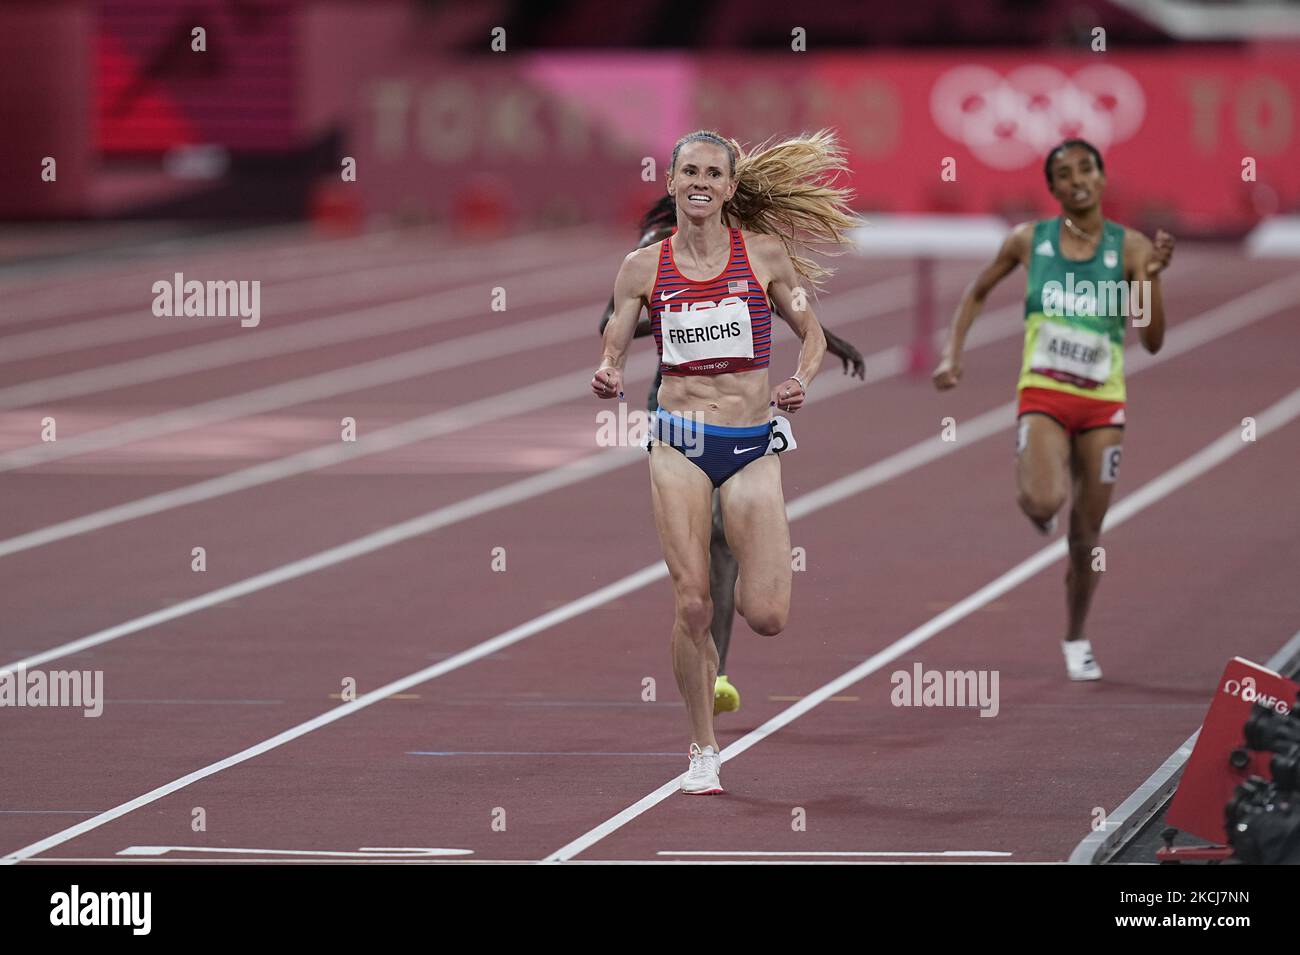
[947, 374]
[788, 395]
[850, 356]
[607, 383]
[1161, 252]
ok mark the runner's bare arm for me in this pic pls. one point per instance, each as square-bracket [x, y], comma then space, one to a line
[630, 291]
[792, 300]
[1013, 252]
[845, 352]
[1148, 260]
[643, 323]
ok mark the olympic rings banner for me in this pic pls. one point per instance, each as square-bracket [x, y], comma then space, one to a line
[1202, 142]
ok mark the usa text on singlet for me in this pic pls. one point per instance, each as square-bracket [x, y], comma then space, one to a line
[710, 327]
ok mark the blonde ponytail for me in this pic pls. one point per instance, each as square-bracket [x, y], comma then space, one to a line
[791, 190]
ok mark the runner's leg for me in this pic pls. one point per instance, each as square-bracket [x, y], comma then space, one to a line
[753, 511]
[722, 584]
[1042, 468]
[1094, 466]
[681, 494]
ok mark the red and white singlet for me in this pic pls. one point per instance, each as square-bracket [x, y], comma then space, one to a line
[720, 325]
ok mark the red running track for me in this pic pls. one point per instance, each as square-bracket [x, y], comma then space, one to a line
[516, 751]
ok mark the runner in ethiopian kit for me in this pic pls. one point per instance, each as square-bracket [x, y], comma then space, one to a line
[657, 224]
[1086, 277]
[711, 289]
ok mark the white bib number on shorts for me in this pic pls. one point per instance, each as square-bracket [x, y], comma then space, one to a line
[1071, 354]
[1110, 464]
[704, 330]
[782, 439]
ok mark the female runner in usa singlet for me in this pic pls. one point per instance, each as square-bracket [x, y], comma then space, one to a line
[711, 288]
[659, 222]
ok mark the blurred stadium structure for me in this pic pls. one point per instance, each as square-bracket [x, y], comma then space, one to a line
[554, 128]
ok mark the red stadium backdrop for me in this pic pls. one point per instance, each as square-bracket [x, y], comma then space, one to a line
[153, 91]
[535, 138]
[565, 135]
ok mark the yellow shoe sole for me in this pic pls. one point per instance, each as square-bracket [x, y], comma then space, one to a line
[726, 698]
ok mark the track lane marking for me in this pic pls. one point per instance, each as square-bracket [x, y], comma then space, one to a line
[1267, 421]
[1226, 446]
[1207, 327]
[1222, 318]
[394, 852]
[743, 854]
[435, 305]
[279, 264]
[413, 363]
[880, 365]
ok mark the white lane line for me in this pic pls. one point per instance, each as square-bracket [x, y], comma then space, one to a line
[1218, 451]
[880, 472]
[195, 702]
[248, 345]
[54, 282]
[394, 852]
[579, 470]
[504, 496]
[483, 346]
[739, 854]
[413, 304]
[881, 365]
[277, 860]
[414, 363]
[573, 609]
[288, 860]
[675, 754]
[544, 394]
[1207, 327]
[58, 296]
[55, 297]
[1266, 422]
[885, 364]
[464, 860]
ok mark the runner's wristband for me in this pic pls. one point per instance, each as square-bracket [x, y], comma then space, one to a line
[801, 384]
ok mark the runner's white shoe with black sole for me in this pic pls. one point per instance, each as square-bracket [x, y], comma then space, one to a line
[1079, 661]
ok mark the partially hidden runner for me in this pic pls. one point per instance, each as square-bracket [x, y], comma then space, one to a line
[1087, 277]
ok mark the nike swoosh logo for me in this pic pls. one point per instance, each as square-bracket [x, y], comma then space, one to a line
[664, 296]
[743, 450]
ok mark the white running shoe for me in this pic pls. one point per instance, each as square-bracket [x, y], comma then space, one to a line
[1079, 660]
[701, 778]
